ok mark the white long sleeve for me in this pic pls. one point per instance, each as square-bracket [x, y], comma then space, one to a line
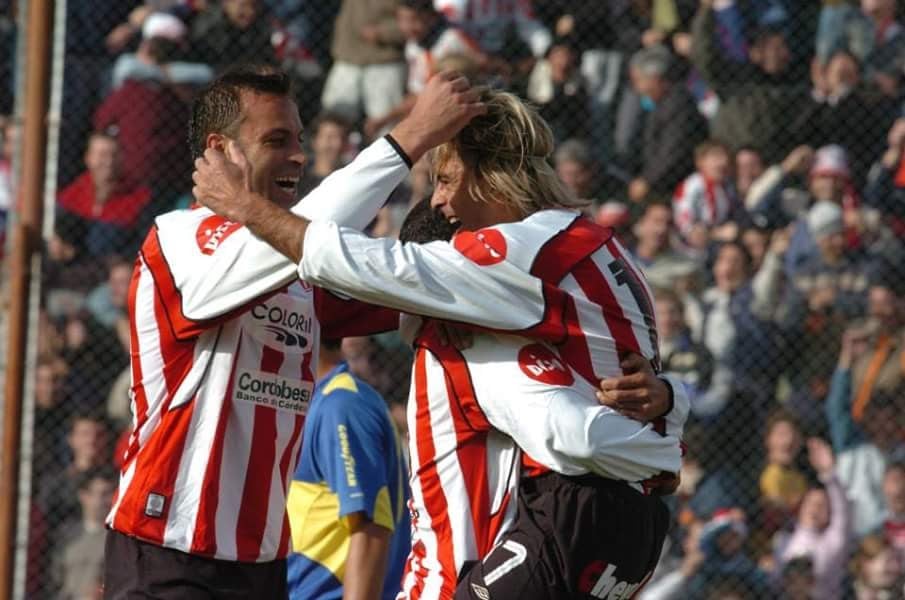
[218, 266]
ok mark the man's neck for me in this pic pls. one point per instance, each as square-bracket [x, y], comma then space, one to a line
[324, 366]
[102, 191]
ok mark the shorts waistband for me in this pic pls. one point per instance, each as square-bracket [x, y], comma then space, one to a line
[548, 481]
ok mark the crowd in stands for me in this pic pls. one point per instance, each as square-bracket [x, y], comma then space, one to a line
[750, 153]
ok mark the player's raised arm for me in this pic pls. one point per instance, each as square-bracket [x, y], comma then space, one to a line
[224, 182]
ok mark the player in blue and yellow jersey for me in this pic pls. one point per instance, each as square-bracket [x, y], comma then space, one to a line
[347, 504]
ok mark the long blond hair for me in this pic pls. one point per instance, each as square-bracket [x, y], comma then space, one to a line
[507, 153]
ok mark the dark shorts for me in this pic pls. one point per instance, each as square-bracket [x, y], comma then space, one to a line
[136, 569]
[573, 538]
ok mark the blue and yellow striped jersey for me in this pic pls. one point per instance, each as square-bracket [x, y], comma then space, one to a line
[352, 461]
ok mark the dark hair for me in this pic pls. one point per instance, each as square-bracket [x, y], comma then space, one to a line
[763, 33]
[218, 108]
[331, 344]
[423, 224]
[329, 117]
[84, 479]
[422, 6]
[746, 256]
[162, 50]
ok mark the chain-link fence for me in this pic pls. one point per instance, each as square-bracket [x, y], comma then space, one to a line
[748, 152]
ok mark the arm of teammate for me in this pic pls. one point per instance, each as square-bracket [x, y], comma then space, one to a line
[526, 392]
[217, 266]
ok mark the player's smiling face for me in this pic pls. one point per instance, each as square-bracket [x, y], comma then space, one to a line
[453, 199]
[270, 136]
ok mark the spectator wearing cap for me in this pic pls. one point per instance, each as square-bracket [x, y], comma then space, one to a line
[556, 85]
[822, 531]
[107, 204]
[758, 95]
[672, 129]
[230, 32]
[149, 114]
[368, 73]
[164, 41]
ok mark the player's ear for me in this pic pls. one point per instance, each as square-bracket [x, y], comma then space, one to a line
[216, 141]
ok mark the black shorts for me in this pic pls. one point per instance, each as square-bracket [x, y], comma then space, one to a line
[136, 569]
[576, 538]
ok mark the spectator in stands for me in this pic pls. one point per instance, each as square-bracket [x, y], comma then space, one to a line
[493, 24]
[885, 189]
[88, 439]
[88, 58]
[583, 175]
[877, 569]
[705, 201]
[107, 302]
[878, 367]
[679, 353]
[108, 204]
[231, 32]
[782, 484]
[653, 249]
[79, 559]
[722, 543]
[557, 87]
[842, 111]
[739, 340]
[49, 445]
[796, 580]
[368, 73]
[757, 98]
[891, 523]
[329, 135]
[164, 41]
[863, 450]
[429, 39]
[822, 532]
[149, 118]
[749, 166]
[672, 128]
[670, 581]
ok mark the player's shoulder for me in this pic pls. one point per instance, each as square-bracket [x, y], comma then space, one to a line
[343, 392]
[195, 230]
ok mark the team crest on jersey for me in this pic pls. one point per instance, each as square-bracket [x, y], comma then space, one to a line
[541, 364]
[485, 247]
[212, 232]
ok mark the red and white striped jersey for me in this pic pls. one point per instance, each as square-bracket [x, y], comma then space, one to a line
[698, 201]
[223, 339]
[487, 21]
[465, 473]
[422, 57]
[554, 276]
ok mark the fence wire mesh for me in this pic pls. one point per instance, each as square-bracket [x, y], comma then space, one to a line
[748, 152]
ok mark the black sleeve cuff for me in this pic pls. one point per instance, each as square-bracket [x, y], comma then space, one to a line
[405, 157]
[672, 397]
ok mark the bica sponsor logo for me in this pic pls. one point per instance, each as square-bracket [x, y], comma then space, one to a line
[486, 247]
[599, 580]
[268, 389]
[290, 327]
[212, 231]
[541, 364]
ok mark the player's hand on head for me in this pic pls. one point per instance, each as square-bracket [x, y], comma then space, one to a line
[221, 180]
[446, 104]
[638, 394]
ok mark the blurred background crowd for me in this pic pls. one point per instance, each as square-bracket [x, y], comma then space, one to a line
[750, 153]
